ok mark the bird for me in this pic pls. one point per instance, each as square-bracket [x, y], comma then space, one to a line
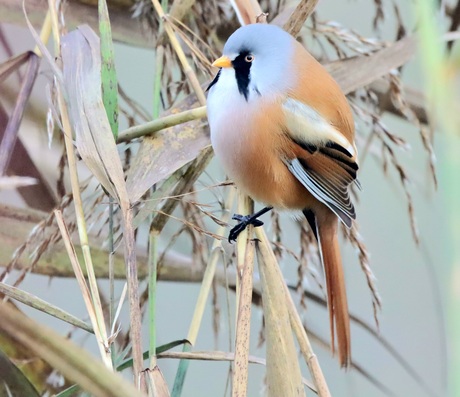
[284, 133]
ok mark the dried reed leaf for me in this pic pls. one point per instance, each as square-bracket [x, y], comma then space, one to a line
[367, 69]
[94, 139]
[161, 155]
[283, 371]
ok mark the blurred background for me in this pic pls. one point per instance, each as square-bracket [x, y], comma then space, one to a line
[415, 280]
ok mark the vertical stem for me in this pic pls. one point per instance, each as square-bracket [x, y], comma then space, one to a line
[133, 293]
[111, 272]
[153, 263]
[159, 58]
[243, 323]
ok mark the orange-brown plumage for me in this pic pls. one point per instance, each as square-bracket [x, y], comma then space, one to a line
[290, 145]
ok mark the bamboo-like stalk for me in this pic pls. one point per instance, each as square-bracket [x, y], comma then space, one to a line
[161, 123]
[99, 325]
[243, 301]
[243, 321]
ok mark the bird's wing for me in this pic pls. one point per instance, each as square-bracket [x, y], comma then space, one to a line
[324, 161]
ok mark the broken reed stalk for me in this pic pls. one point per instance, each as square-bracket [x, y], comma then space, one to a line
[99, 325]
[299, 16]
[296, 323]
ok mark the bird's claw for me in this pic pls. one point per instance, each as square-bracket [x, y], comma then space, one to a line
[244, 222]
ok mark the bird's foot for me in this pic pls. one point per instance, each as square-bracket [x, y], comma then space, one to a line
[244, 222]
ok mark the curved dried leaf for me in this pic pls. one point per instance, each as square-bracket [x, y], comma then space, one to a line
[94, 139]
[164, 153]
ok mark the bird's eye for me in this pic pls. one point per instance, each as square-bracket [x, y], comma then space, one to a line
[249, 58]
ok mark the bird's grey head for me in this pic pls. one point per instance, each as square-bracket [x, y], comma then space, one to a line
[259, 58]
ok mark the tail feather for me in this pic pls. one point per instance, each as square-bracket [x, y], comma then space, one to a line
[335, 285]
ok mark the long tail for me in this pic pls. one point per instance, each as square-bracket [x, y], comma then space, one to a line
[326, 233]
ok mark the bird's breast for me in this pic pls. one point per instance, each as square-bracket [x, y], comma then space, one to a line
[249, 141]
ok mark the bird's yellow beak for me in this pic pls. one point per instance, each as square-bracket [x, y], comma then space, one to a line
[222, 62]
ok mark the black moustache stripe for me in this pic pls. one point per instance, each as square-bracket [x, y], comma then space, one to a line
[242, 69]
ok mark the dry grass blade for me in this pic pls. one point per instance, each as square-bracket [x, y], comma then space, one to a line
[283, 371]
[299, 16]
[73, 362]
[40, 304]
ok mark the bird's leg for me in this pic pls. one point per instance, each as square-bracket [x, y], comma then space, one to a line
[246, 220]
